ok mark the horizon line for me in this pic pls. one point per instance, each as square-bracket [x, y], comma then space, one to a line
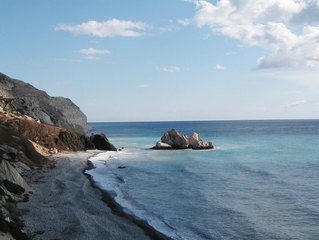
[218, 120]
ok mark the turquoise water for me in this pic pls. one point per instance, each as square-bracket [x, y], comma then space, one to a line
[260, 182]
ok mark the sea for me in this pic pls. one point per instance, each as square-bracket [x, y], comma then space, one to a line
[261, 181]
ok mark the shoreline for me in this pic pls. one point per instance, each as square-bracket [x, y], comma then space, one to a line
[66, 204]
[119, 211]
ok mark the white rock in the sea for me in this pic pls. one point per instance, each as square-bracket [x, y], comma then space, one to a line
[161, 145]
[194, 139]
[175, 139]
[202, 145]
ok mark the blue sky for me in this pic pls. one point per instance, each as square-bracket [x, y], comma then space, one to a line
[168, 59]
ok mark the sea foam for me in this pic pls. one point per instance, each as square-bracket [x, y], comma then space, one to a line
[114, 184]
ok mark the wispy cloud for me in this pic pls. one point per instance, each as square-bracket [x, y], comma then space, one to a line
[220, 67]
[169, 28]
[170, 69]
[91, 53]
[110, 28]
[297, 103]
[184, 22]
[307, 77]
[288, 30]
[294, 92]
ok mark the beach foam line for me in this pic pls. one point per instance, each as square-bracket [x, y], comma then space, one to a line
[65, 206]
[120, 197]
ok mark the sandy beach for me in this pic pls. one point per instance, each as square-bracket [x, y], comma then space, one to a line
[64, 205]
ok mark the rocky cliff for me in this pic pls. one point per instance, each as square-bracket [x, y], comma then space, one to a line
[33, 126]
[17, 157]
[24, 98]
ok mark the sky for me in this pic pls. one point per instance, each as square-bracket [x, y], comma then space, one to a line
[166, 60]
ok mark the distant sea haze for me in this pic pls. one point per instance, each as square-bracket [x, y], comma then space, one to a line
[260, 182]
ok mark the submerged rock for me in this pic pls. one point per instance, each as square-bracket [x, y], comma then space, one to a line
[175, 140]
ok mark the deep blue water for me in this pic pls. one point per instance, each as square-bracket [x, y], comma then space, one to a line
[260, 182]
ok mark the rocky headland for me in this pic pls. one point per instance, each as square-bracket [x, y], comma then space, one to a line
[173, 140]
[23, 98]
[33, 126]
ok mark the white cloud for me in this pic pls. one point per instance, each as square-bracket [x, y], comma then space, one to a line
[278, 26]
[297, 103]
[110, 28]
[91, 53]
[170, 69]
[220, 67]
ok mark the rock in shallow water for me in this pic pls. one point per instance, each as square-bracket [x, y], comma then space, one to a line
[201, 145]
[161, 145]
[194, 139]
[100, 142]
[175, 140]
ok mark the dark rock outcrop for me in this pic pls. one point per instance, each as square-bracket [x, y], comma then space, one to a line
[100, 142]
[175, 140]
[25, 99]
[13, 188]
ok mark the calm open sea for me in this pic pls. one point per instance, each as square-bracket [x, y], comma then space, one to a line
[260, 182]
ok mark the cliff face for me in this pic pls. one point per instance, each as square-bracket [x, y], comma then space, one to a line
[27, 100]
[24, 143]
[17, 156]
[33, 126]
